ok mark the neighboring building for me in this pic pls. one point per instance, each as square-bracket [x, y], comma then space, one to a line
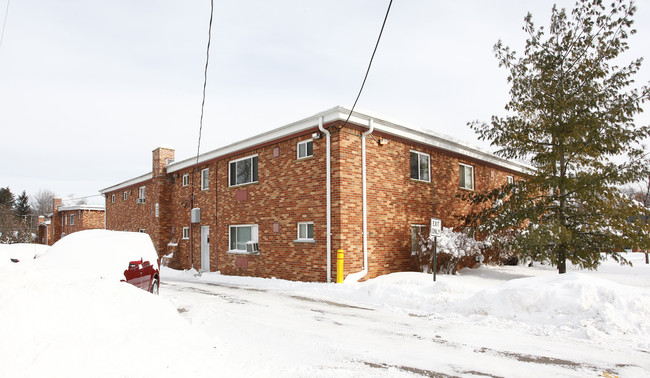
[259, 207]
[68, 219]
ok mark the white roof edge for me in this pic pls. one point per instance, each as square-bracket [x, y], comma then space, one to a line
[81, 207]
[126, 183]
[329, 115]
[340, 113]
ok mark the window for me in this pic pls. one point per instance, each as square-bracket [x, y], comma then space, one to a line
[125, 195]
[141, 192]
[511, 180]
[305, 149]
[71, 219]
[240, 235]
[416, 229]
[142, 231]
[466, 176]
[305, 231]
[243, 171]
[186, 179]
[186, 232]
[205, 179]
[420, 166]
[113, 198]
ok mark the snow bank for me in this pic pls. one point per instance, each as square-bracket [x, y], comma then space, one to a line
[24, 252]
[572, 303]
[56, 325]
[98, 253]
[537, 300]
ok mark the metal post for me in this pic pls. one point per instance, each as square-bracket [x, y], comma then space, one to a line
[339, 266]
[435, 257]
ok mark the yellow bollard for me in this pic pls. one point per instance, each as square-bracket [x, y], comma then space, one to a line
[339, 266]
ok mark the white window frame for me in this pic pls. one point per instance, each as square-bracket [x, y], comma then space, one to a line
[306, 152]
[465, 166]
[414, 236]
[205, 179]
[251, 157]
[254, 236]
[305, 226]
[510, 180]
[186, 179]
[71, 219]
[419, 178]
[125, 195]
[142, 192]
[186, 233]
[113, 198]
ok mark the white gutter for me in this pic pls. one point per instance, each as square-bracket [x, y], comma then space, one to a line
[329, 200]
[359, 275]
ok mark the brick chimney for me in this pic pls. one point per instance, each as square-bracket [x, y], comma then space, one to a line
[161, 157]
[56, 202]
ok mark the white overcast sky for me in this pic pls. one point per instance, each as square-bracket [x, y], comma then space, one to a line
[89, 88]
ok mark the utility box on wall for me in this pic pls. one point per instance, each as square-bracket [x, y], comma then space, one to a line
[195, 215]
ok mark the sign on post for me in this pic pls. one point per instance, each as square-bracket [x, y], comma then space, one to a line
[435, 231]
[436, 228]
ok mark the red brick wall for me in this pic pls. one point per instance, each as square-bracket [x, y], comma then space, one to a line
[291, 190]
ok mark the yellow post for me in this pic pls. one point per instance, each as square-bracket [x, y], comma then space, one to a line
[339, 266]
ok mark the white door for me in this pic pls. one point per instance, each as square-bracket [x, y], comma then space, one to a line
[205, 248]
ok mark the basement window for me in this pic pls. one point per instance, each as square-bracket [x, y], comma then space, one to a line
[420, 166]
[305, 149]
[416, 230]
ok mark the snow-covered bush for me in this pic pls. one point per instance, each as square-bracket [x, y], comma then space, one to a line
[452, 247]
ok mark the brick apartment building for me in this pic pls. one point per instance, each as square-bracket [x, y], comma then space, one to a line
[65, 220]
[263, 206]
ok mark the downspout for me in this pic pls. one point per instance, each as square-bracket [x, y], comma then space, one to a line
[359, 275]
[329, 200]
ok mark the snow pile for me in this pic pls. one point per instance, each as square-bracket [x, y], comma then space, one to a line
[57, 323]
[573, 303]
[99, 253]
[23, 252]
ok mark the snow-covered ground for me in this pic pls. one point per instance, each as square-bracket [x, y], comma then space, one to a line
[496, 321]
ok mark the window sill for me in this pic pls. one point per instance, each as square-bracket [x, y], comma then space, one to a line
[237, 252]
[245, 184]
[469, 189]
[305, 157]
[308, 241]
[418, 180]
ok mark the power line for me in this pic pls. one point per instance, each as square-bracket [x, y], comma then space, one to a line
[369, 64]
[2, 35]
[205, 80]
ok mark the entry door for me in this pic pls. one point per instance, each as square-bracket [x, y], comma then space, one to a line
[205, 248]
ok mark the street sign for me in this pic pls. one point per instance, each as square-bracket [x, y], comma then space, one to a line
[436, 228]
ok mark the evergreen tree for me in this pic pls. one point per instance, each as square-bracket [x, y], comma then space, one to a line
[571, 113]
[6, 197]
[22, 205]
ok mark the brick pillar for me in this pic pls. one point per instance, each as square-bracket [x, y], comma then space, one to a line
[161, 188]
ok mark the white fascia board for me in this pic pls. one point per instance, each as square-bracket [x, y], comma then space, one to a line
[81, 207]
[292, 128]
[127, 183]
[382, 123]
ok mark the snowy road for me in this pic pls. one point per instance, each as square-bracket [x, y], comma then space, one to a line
[262, 332]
